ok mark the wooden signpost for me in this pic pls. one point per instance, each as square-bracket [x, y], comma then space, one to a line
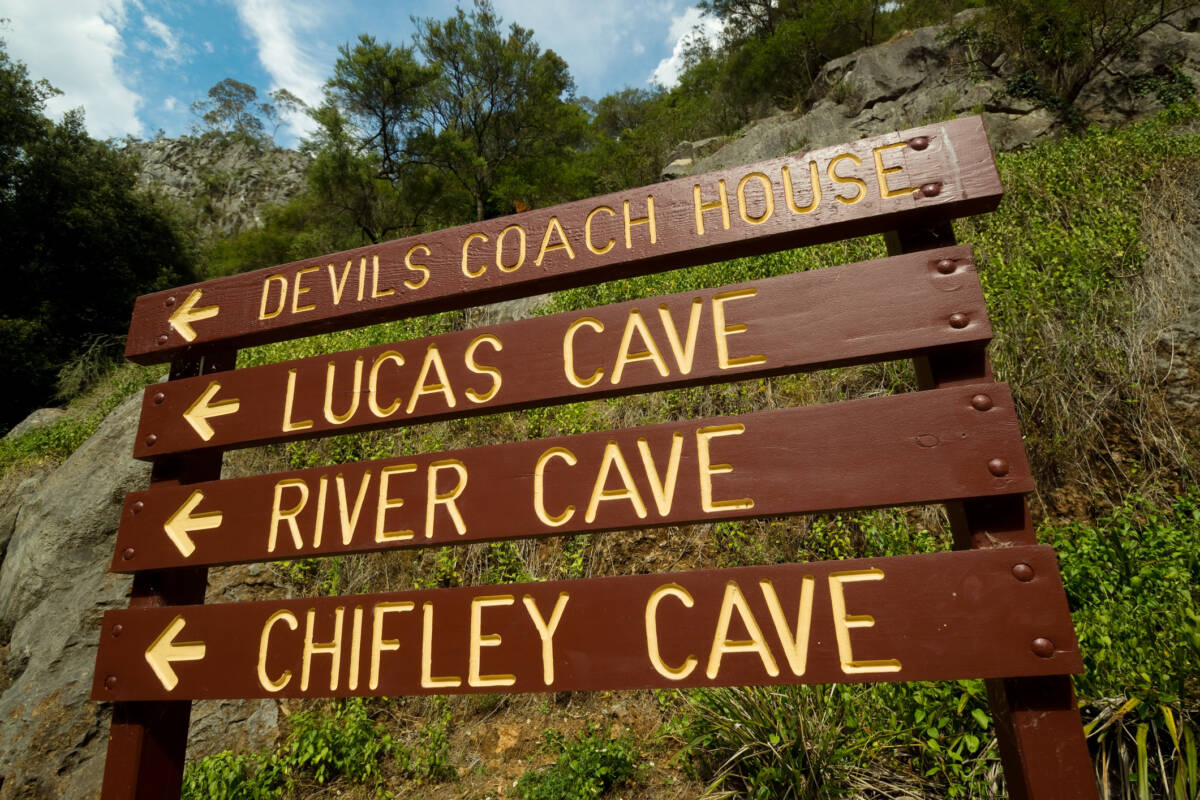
[996, 610]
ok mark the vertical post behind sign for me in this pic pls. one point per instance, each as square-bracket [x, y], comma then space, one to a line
[147, 741]
[1042, 746]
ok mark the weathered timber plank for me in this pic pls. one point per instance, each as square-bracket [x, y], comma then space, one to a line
[869, 186]
[879, 310]
[938, 616]
[910, 448]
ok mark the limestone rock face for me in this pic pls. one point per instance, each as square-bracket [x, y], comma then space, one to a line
[923, 76]
[229, 182]
[54, 589]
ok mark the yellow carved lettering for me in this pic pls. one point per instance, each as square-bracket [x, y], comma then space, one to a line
[332, 648]
[843, 622]
[412, 266]
[708, 469]
[814, 181]
[266, 293]
[860, 189]
[722, 331]
[546, 631]
[264, 641]
[722, 203]
[768, 198]
[386, 503]
[298, 290]
[479, 369]
[520, 248]
[734, 600]
[466, 270]
[656, 660]
[587, 231]
[635, 322]
[480, 640]
[379, 645]
[539, 486]
[288, 515]
[330, 374]
[628, 491]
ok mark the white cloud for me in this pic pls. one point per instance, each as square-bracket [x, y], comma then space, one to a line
[171, 103]
[278, 26]
[75, 46]
[170, 48]
[685, 29]
[638, 48]
[595, 39]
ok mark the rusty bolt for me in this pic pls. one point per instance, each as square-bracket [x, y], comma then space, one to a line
[116, 631]
[158, 398]
[931, 189]
[959, 320]
[981, 402]
[151, 439]
[918, 142]
[945, 266]
[1022, 572]
[138, 505]
[1042, 647]
[111, 682]
[128, 554]
[162, 339]
[170, 302]
[998, 467]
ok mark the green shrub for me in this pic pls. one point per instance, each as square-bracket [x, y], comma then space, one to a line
[339, 741]
[587, 767]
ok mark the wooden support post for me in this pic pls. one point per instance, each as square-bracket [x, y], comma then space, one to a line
[147, 741]
[1042, 746]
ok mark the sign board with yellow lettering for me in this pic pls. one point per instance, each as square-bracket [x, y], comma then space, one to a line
[997, 612]
[830, 622]
[881, 310]
[869, 186]
[919, 447]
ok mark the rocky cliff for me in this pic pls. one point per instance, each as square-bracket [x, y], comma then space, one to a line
[929, 75]
[227, 182]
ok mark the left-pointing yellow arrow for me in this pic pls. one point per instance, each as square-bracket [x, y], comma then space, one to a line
[165, 650]
[183, 522]
[187, 313]
[199, 412]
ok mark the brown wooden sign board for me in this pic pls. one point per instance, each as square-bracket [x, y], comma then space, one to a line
[917, 447]
[997, 612]
[869, 186]
[929, 617]
[879, 310]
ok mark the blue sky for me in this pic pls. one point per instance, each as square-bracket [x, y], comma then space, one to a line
[136, 66]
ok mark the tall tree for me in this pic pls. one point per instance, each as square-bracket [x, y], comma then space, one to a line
[381, 91]
[80, 242]
[498, 105]
[1064, 44]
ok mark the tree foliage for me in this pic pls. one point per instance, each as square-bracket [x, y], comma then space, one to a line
[81, 242]
[497, 108]
[1061, 45]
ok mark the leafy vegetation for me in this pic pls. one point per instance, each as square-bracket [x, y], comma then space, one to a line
[587, 767]
[80, 240]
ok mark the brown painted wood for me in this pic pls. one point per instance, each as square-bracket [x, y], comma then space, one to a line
[1038, 729]
[948, 171]
[879, 310]
[147, 741]
[942, 616]
[909, 448]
